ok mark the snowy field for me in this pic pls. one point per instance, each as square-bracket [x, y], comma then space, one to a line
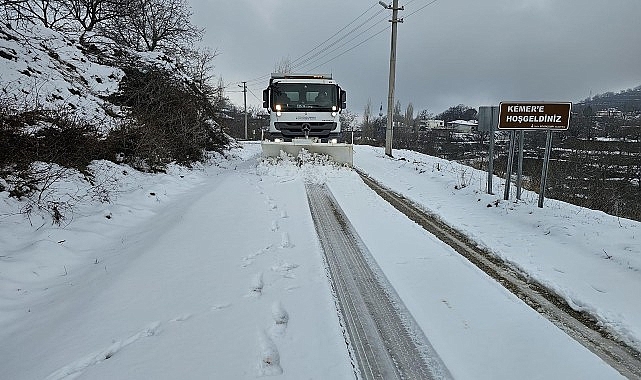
[216, 273]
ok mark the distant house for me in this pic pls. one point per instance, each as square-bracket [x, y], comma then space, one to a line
[610, 112]
[429, 124]
[464, 126]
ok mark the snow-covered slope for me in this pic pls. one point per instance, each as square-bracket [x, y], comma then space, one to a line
[47, 70]
[44, 69]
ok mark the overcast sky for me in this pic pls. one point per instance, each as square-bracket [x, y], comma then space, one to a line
[450, 52]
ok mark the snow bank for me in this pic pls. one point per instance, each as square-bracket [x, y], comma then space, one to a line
[591, 259]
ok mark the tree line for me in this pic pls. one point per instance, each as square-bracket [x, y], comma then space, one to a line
[406, 121]
[137, 24]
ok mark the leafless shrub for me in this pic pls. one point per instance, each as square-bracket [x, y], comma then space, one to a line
[170, 120]
[464, 177]
[36, 185]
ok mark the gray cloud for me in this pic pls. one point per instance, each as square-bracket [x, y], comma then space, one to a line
[451, 52]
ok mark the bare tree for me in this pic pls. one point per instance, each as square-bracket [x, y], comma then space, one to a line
[199, 66]
[151, 24]
[50, 13]
[367, 113]
[219, 99]
[397, 112]
[367, 116]
[409, 115]
[284, 66]
[89, 13]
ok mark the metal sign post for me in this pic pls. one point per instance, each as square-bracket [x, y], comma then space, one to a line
[488, 120]
[544, 171]
[519, 172]
[508, 170]
[490, 165]
[523, 116]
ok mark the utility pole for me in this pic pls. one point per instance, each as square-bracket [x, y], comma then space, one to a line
[389, 132]
[245, 100]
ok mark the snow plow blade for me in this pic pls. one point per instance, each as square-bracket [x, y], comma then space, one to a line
[339, 152]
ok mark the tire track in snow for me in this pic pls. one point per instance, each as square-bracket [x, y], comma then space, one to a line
[386, 345]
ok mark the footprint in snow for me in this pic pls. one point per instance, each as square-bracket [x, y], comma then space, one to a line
[269, 363]
[256, 285]
[275, 226]
[249, 259]
[76, 368]
[272, 206]
[220, 306]
[285, 269]
[280, 317]
[285, 242]
[181, 318]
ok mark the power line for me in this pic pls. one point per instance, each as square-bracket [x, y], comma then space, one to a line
[408, 3]
[421, 8]
[251, 92]
[366, 39]
[372, 36]
[307, 60]
[338, 32]
[264, 77]
[334, 48]
[351, 48]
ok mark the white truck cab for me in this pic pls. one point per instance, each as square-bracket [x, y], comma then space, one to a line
[304, 106]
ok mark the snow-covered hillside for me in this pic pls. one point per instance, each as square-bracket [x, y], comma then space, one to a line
[216, 273]
[44, 69]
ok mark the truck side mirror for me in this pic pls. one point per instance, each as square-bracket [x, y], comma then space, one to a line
[266, 98]
[343, 99]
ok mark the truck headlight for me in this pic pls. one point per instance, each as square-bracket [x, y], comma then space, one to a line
[333, 141]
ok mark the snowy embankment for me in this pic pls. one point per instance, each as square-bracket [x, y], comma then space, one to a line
[591, 259]
[43, 69]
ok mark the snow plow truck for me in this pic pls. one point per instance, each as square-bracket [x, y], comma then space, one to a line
[304, 113]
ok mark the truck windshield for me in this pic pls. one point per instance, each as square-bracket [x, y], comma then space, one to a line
[308, 96]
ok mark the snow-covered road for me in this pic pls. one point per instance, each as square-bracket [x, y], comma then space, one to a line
[384, 339]
[221, 275]
[226, 282]
[479, 329]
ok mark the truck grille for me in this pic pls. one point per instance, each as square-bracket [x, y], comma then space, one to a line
[297, 129]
